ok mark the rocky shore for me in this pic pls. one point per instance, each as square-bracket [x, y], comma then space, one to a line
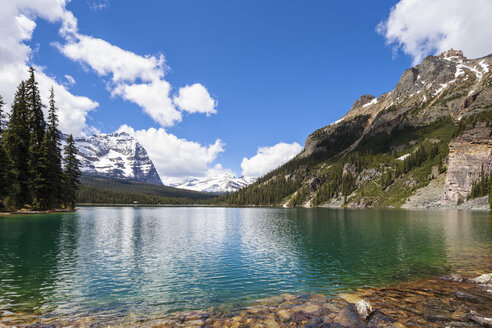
[26, 212]
[452, 301]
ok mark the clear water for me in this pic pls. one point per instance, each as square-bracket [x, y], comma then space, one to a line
[115, 261]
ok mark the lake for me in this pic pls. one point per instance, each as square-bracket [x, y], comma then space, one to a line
[113, 262]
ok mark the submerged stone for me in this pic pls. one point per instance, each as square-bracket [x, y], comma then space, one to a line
[348, 317]
[363, 308]
[483, 279]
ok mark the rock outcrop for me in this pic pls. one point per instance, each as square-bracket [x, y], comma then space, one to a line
[469, 155]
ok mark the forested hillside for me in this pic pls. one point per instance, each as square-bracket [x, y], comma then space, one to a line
[395, 150]
[112, 191]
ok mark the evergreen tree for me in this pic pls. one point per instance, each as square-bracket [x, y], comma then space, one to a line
[5, 177]
[71, 177]
[40, 180]
[16, 140]
[37, 127]
[52, 155]
[1, 116]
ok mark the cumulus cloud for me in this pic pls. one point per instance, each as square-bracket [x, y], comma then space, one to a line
[174, 157]
[17, 23]
[139, 79]
[108, 59]
[136, 78]
[153, 98]
[195, 99]
[269, 158]
[420, 28]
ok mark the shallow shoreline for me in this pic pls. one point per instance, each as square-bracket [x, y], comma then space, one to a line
[451, 301]
[460, 207]
[25, 212]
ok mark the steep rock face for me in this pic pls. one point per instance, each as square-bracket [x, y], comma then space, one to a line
[444, 86]
[362, 101]
[117, 155]
[469, 154]
[336, 136]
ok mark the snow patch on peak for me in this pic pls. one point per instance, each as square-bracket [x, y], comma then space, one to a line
[372, 102]
[441, 88]
[337, 121]
[485, 66]
[402, 158]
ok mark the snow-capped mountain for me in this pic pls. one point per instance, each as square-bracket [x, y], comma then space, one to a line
[218, 184]
[120, 156]
[117, 155]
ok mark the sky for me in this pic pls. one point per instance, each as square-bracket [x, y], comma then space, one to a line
[224, 86]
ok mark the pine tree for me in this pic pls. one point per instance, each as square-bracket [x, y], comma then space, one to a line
[5, 179]
[71, 177]
[41, 182]
[52, 155]
[37, 127]
[1, 116]
[5, 167]
[16, 140]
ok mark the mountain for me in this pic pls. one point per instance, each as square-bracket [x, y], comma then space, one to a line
[117, 155]
[423, 144]
[215, 184]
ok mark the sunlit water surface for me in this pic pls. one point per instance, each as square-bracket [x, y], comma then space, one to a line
[116, 261]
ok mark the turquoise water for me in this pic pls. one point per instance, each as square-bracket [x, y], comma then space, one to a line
[115, 261]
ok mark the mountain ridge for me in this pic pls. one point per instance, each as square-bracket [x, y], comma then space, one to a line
[221, 183]
[386, 148]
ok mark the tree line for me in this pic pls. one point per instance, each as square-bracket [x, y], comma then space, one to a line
[34, 173]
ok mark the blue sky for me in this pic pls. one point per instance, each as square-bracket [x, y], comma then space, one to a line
[273, 71]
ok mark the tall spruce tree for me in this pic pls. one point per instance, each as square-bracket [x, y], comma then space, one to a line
[5, 176]
[71, 176]
[2, 127]
[37, 127]
[16, 140]
[52, 155]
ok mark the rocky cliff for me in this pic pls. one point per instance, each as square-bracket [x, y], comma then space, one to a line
[469, 155]
[411, 138]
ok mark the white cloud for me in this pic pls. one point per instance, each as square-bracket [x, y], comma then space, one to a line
[269, 158]
[139, 79]
[135, 78]
[153, 98]
[107, 59]
[98, 5]
[195, 99]
[69, 79]
[176, 157]
[421, 28]
[17, 23]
